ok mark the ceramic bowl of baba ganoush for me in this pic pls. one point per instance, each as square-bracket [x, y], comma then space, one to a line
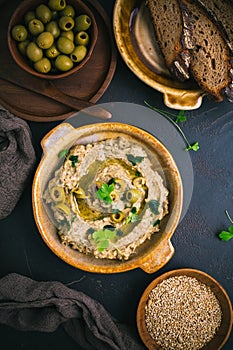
[107, 197]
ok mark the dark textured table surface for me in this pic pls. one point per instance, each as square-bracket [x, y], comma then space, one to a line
[196, 239]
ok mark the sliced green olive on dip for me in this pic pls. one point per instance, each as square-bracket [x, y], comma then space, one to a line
[57, 194]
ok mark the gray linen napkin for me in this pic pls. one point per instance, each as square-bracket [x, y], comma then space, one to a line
[29, 305]
[17, 158]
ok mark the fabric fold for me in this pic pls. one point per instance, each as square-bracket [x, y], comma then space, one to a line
[17, 158]
[29, 305]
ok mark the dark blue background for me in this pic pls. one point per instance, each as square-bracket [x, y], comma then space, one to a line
[195, 240]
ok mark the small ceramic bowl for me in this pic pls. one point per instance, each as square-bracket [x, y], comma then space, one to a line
[149, 256]
[23, 62]
[223, 333]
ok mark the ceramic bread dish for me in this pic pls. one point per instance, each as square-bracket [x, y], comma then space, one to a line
[59, 30]
[137, 45]
[190, 281]
[185, 64]
[153, 253]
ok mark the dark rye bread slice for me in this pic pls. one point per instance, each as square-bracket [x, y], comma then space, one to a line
[172, 31]
[222, 13]
[210, 58]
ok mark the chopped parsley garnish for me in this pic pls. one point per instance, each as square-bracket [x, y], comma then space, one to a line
[102, 238]
[74, 160]
[103, 193]
[63, 153]
[154, 205]
[134, 160]
[133, 216]
[157, 222]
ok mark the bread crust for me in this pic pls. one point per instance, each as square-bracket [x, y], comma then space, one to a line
[210, 58]
[175, 40]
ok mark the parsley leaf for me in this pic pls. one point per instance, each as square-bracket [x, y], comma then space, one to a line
[133, 216]
[227, 235]
[63, 153]
[102, 238]
[74, 160]
[103, 193]
[154, 206]
[157, 222]
[180, 117]
[134, 160]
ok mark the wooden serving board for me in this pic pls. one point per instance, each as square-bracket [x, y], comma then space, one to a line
[89, 84]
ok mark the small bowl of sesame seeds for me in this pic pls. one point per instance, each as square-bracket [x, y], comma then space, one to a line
[184, 309]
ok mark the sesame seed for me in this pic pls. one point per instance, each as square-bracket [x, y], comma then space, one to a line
[182, 314]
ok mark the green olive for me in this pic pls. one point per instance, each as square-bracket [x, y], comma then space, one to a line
[22, 46]
[119, 185]
[35, 26]
[29, 16]
[117, 217]
[65, 45]
[33, 52]
[139, 181]
[68, 35]
[114, 196]
[66, 23]
[82, 22]
[43, 13]
[52, 52]
[57, 5]
[133, 195]
[57, 194]
[68, 11]
[45, 40]
[63, 63]
[81, 38]
[19, 32]
[63, 208]
[53, 28]
[79, 53]
[80, 193]
[43, 65]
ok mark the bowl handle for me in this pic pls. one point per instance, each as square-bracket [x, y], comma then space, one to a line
[188, 100]
[54, 135]
[157, 261]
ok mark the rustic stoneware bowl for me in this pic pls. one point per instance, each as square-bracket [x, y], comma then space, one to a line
[22, 61]
[224, 331]
[137, 45]
[152, 254]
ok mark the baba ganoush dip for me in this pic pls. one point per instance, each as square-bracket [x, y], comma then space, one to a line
[107, 199]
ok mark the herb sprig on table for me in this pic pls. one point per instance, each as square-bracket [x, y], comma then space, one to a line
[227, 235]
[180, 117]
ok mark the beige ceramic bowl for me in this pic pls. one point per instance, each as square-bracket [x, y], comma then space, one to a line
[224, 331]
[136, 42]
[151, 255]
[22, 61]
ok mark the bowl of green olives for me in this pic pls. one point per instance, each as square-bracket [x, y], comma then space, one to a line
[52, 39]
